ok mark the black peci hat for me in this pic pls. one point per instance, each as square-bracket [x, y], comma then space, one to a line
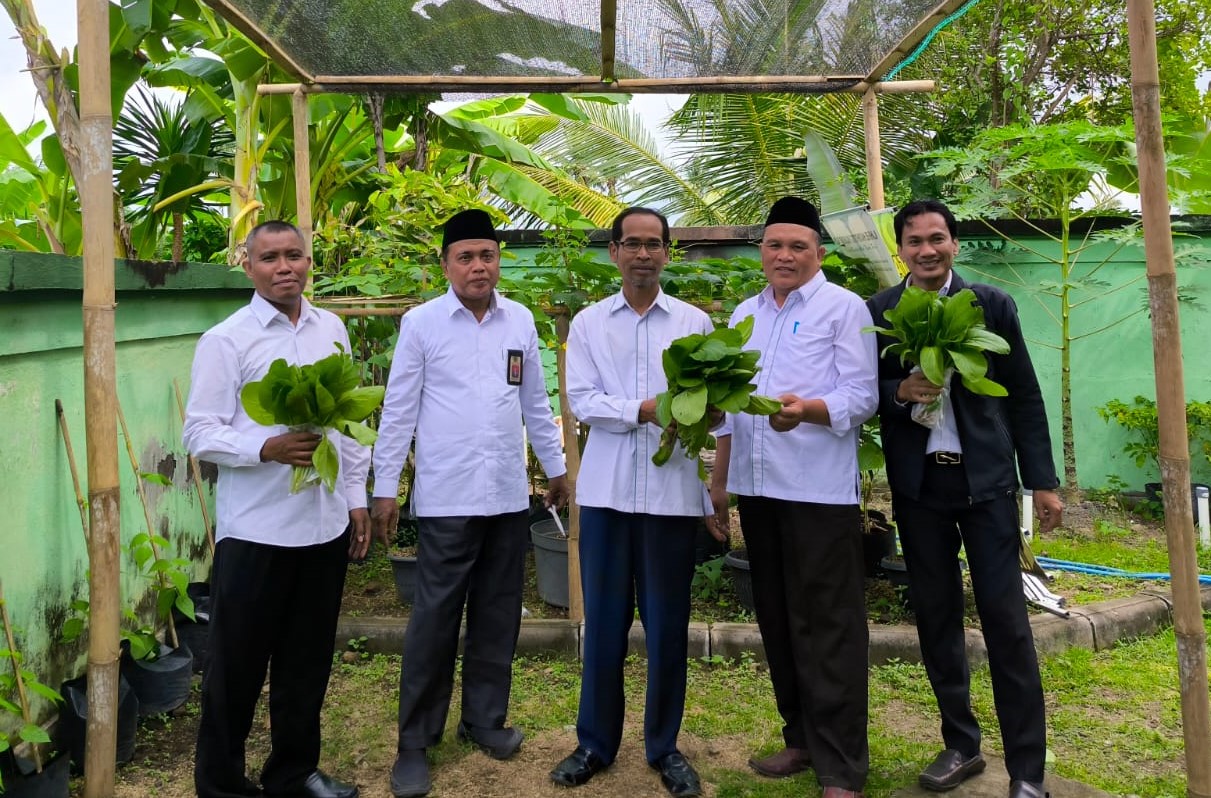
[464, 225]
[794, 210]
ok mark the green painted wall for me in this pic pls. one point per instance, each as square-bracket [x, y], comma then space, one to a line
[162, 310]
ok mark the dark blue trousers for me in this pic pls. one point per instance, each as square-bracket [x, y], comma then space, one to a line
[630, 560]
[931, 531]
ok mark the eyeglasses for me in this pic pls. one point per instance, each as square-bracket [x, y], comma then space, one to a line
[631, 245]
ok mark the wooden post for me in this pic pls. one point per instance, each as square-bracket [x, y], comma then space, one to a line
[100, 388]
[1170, 397]
[571, 448]
[874, 149]
[302, 169]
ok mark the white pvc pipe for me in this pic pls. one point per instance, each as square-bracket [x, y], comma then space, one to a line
[1202, 502]
[1028, 514]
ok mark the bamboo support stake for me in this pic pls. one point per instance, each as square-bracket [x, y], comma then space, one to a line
[75, 475]
[366, 84]
[95, 186]
[151, 532]
[1174, 455]
[571, 448]
[874, 150]
[22, 696]
[302, 169]
[196, 472]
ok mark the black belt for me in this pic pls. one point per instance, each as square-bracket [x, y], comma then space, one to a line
[945, 458]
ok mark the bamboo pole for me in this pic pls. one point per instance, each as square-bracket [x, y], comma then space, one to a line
[609, 36]
[1174, 455]
[571, 448]
[97, 207]
[196, 472]
[874, 149]
[151, 531]
[75, 475]
[302, 170]
[364, 84]
[15, 658]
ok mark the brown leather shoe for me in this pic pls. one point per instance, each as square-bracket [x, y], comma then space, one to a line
[840, 792]
[786, 762]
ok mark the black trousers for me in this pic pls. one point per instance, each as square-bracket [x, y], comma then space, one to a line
[931, 531]
[479, 562]
[806, 565]
[273, 609]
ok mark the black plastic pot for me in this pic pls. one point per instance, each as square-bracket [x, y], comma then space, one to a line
[24, 780]
[1153, 491]
[742, 578]
[195, 634]
[878, 541]
[162, 684]
[73, 720]
[705, 546]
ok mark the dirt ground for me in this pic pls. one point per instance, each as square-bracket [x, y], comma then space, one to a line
[163, 766]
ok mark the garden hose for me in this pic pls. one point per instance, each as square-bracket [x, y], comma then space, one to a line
[1105, 570]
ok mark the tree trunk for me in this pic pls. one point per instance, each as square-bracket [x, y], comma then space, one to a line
[1071, 487]
[178, 237]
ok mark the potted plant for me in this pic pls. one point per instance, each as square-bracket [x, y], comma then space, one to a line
[32, 774]
[550, 538]
[878, 534]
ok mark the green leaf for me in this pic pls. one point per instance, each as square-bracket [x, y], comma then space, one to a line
[664, 408]
[762, 405]
[933, 364]
[250, 398]
[359, 403]
[689, 406]
[987, 340]
[358, 431]
[184, 605]
[156, 479]
[970, 363]
[33, 733]
[738, 401]
[984, 387]
[327, 463]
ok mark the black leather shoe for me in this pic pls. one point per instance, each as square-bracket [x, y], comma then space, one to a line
[949, 769]
[496, 743]
[578, 768]
[678, 775]
[320, 785]
[1027, 789]
[410, 774]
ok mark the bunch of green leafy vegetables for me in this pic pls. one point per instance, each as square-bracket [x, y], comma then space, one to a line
[938, 333]
[319, 397]
[707, 372]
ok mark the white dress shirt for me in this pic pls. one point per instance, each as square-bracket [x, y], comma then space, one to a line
[449, 385]
[812, 347]
[614, 364]
[254, 502]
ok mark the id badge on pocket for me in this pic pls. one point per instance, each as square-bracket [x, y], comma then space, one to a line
[513, 367]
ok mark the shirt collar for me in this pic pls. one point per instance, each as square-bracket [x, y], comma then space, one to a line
[804, 291]
[944, 290]
[454, 304]
[265, 312]
[619, 302]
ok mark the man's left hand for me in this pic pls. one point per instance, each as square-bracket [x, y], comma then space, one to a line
[359, 534]
[1049, 509]
[791, 415]
[558, 493]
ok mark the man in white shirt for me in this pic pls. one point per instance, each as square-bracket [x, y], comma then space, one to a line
[637, 520]
[465, 375]
[797, 480]
[280, 558]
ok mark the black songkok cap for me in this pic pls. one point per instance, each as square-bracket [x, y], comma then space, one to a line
[463, 225]
[795, 210]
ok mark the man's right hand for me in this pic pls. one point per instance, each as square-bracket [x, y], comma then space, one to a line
[291, 448]
[384, 518]
[916, 388]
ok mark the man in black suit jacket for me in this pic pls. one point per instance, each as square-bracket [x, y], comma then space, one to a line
[957, 484]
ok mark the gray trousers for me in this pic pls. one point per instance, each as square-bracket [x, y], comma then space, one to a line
[479, 562]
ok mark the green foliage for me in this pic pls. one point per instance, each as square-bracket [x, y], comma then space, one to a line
[323, 396]
[707, 372]
[938, 333]
[1139, 419]
[709, 583]
[13, 676]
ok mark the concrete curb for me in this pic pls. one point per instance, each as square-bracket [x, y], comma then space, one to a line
[1093, 626]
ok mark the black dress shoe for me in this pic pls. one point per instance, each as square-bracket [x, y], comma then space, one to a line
[678, 775]
[578, 768]
[949, 769]
[1027, 789]
[410, 774]
[320, 785]
[496, 743]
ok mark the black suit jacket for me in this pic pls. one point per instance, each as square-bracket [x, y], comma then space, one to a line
[994, 431]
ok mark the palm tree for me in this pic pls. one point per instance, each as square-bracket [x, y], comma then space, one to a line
[160, 154]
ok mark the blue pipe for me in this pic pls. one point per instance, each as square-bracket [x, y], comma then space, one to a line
[1105, 570]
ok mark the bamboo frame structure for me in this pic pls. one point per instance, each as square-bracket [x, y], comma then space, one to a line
[1174, 456]
[196, 472]
[100, 393]
[571, 448]
[19, 680]
[874, 150]
[366, 84]
[81, 502]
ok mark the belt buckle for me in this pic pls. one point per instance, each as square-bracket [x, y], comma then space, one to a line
[947, 458]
